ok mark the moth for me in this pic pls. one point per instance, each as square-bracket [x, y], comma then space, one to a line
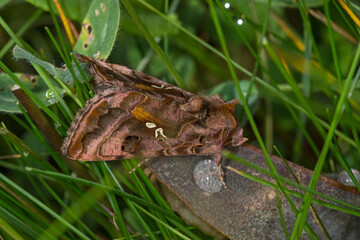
[135, 115]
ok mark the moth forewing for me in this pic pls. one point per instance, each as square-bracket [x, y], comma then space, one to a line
[134, 114]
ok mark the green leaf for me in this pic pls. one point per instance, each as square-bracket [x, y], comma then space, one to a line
[74, 9]
[183, 64]
[8, 102]
[4, 2]
[154, 24]
[99, 29]
[186, 67]
[34, 143]
[60, 73]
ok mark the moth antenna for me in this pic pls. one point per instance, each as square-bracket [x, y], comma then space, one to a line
[139, 165]
[222, 178]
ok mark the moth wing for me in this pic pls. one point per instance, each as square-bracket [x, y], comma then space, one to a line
[94, 126]
[113, 126]
[107, 74]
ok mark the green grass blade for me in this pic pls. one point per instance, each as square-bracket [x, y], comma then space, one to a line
[33, 97]
[153, 43]
[300, 220]
[9, 229]
[67, 112]
[21, 31]
[267, 87]
[41, 205]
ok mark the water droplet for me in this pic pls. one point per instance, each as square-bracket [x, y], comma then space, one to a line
[50, 96]
[240, 21]
[227, 5]
[25, 154]
[3, 131]
[206, 176]
[345, 179]
[15, 87]
[96, 55]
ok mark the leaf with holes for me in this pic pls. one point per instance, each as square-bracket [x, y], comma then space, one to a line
[8, 102]
[99, 28]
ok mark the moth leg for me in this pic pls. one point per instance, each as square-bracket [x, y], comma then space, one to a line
[237, 137]
[243, 141]
[218, 160]
[139, 165]
[222, 178]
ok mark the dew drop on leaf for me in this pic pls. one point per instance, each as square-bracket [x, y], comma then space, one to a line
[96, 55]
[3, 131]
[50, 97]
[25, 154]
[345, 179]
[206, 176]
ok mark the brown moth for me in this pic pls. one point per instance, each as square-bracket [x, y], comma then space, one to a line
[136, 115]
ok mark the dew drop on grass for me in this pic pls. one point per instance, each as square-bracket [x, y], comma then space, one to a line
[3, 131]
[25, 154]
[206, 176]
[57, 125]
[50, 96]
[240, 21]
[345, 179]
